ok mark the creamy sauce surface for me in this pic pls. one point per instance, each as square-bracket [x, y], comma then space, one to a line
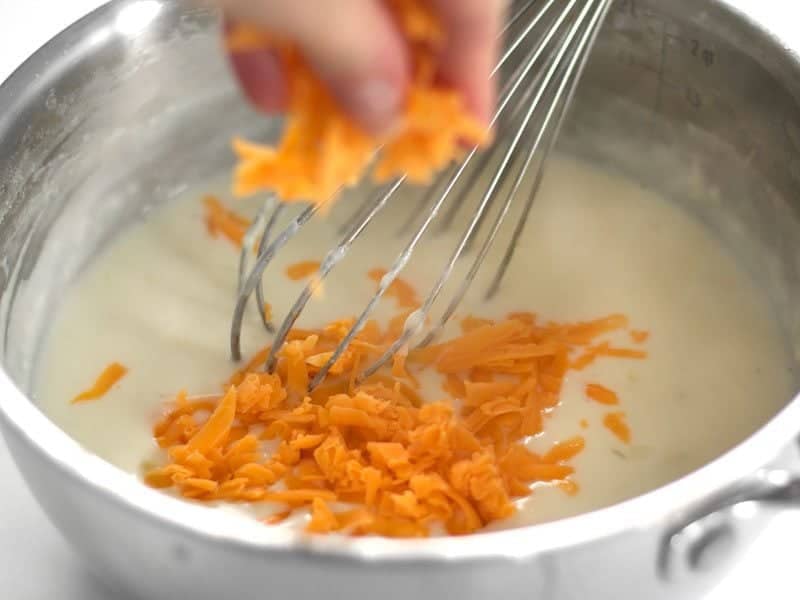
[159, 300]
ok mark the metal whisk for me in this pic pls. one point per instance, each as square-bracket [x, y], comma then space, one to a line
[549, 42]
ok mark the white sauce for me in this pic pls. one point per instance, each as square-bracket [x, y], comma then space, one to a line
[160, 299]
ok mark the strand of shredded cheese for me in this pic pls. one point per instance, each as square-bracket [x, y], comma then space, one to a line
[104, 382]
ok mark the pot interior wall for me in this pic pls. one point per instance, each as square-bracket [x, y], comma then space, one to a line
[683, 96]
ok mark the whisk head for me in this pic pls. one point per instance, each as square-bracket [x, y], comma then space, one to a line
[548, 43]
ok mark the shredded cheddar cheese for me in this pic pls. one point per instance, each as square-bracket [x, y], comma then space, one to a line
[105, 381]
[302, 270]
[322, 150]
[602, 394]
[221, 221]
[375, 458]
[617, 424]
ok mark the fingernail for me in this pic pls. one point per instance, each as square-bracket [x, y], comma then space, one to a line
[376, 104]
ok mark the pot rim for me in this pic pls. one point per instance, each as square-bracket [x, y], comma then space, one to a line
[25, 420]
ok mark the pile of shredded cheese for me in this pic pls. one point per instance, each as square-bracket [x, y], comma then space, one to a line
[322, 149]
[375, 457]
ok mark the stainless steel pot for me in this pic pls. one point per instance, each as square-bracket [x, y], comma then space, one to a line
[699, 99]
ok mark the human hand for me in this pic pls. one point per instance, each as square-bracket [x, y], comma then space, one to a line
[356, 48]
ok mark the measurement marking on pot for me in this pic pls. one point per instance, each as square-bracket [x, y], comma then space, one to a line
[660, 88]
[697, 49]
[691, 46]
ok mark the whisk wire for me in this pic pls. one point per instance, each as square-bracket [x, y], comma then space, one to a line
[277, 209]
[249, 239]
[583, 56]
[510, 89]
[331, 259]
[557, 109]
[523, 35]
[254, 279]
[391, 275]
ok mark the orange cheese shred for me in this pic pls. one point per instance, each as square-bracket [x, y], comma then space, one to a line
[602, 394]
[104, 382]
[322, 149]
[220, 221]
[622, 353]
[302, 269]
[218, 426]
[564, 451]
[617, 424]
[592, 353]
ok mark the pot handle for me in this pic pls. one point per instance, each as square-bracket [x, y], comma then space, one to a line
[707, 530]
